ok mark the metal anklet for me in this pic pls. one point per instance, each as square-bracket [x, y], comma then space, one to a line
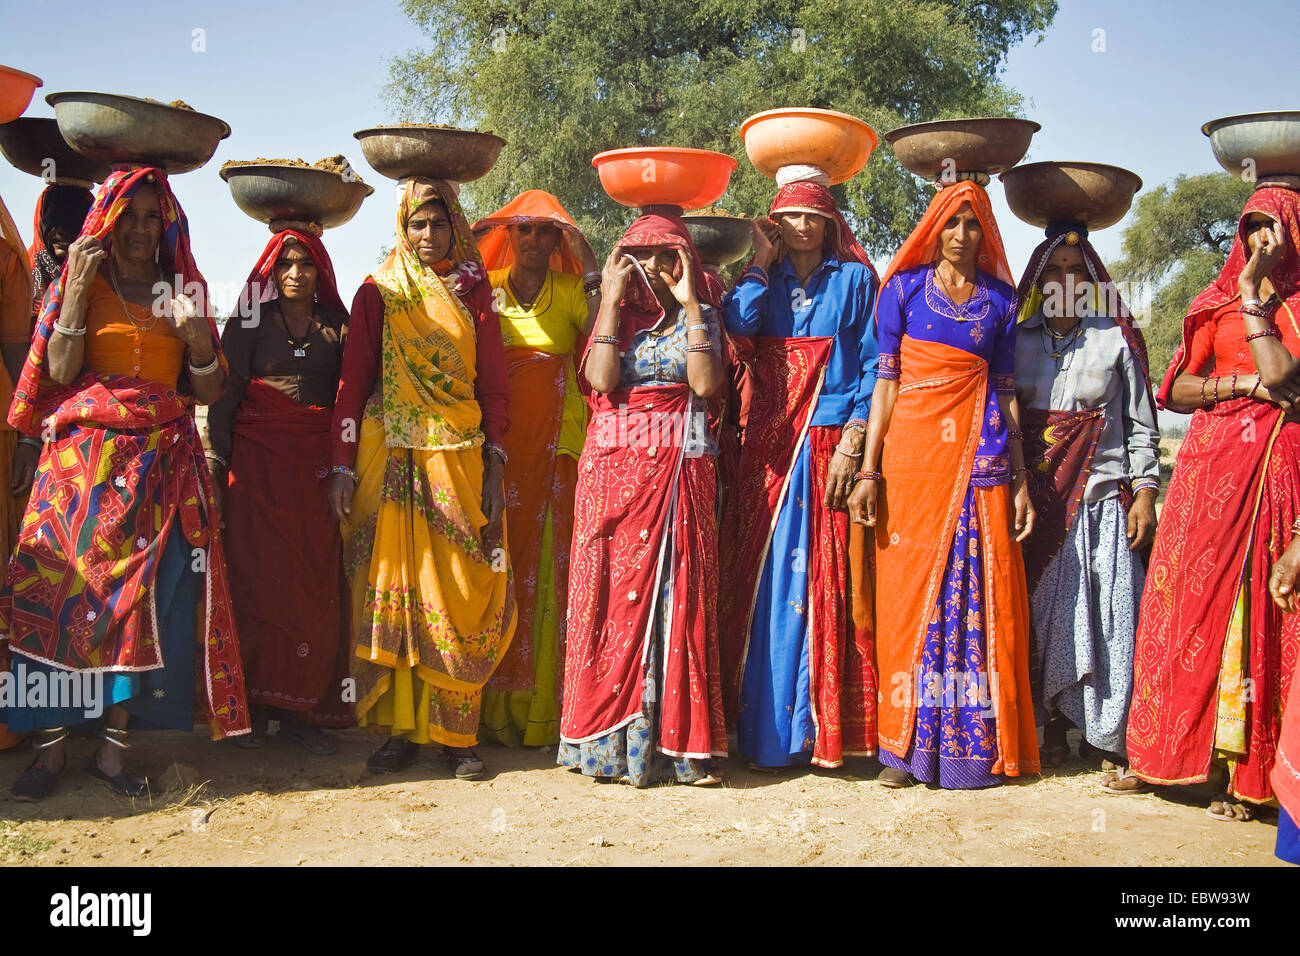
[118, 738]
[55, 735]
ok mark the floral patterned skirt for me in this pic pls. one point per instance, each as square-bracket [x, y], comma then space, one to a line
[954, 742]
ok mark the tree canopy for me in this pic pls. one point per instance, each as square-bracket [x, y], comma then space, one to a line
[562, 80]
[1174, 246]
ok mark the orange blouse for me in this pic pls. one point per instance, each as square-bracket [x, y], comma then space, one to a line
[1220, 343]
[142, 346]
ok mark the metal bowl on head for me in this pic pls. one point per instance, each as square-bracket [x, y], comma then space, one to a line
[1092, 195]
[110, 128]
[33, 144]
[720, 240]
[936, 151]
[268, 191]
[458, 155]
[645, 176]
[835, 142]
[16, 90]
[1265, 144]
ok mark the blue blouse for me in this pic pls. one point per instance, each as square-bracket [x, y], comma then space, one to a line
[836, 303]
[912, 303]
[661, 360]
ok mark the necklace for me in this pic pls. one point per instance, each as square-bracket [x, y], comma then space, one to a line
[1063, 342]
[963, 313]
[300, 343]
[143, 327]
[519, 299]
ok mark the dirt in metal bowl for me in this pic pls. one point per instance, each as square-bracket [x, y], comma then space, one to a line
[16, 90]
[438, 152]
[939, 150]
[300, 193]
[1262, 144]
[835, 142]
[33, 144]
[646, 176]
[110, 128]
[720, 240]
[1093, 195]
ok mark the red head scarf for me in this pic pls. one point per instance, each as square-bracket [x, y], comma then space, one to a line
[922, 246]
[532, 205]
[1100, 279]
[802, 196]
[1280, 205]
[174, 257]
[261, 286]
[640, 308]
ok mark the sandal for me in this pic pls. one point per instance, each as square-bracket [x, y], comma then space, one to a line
[1123, 781]
[255, 739]
[1230, 809]
[393, 756]
[123, 782]
[894, 778]
[311, 739]
[463, 762]
[1104, 758]
[37, 783]
[1056, 750]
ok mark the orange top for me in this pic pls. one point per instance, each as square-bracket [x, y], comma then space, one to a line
[1222, 338]
[142, 346]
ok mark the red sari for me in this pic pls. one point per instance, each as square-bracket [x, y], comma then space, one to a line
[1215, 657]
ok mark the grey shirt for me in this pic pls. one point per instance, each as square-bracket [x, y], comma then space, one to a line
[1096, 370]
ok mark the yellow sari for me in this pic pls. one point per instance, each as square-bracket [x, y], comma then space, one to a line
[432, 611]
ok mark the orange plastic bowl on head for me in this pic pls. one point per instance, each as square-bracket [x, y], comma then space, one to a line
[653, 175]
[835, 142]
[16, 89]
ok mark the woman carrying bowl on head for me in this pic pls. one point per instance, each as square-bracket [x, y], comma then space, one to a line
[1215, 656]
[15, 333]
[418, 483]
[1094, 471]
[269, 453]
[119, 552]
[642, 696]
[943, 484]
[60, 212]
[797, 653]
[546, 282]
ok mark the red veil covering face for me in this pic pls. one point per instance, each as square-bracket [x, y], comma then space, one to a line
[113, 425]
[1059, 445]
[1207, 622]
[289, 601]
[643, 506]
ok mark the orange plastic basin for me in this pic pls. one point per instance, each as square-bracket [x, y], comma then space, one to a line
[836, 142]
[651, 175]
[16, 89]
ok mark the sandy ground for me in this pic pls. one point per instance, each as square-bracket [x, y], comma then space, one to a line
[280, 805]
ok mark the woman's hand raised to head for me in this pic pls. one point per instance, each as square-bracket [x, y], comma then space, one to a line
[683, 290]
[613, 278]
[766, 237]
[1267, 254]
[84, 258]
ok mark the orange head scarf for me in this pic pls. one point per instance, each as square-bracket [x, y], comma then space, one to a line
[922, 246]
[532, 205]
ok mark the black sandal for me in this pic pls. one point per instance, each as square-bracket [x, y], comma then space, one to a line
[123, 782]
[37, 782]
[393, 756]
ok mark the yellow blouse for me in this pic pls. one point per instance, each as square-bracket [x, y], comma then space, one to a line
[551, 325]
[142, 346]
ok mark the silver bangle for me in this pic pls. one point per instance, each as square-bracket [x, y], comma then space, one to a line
[59, 327]
[213, 456]
[206, 369]
[697, 328]
[494, 449]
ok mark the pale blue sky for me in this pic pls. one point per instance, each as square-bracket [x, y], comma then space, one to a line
[297, 79]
